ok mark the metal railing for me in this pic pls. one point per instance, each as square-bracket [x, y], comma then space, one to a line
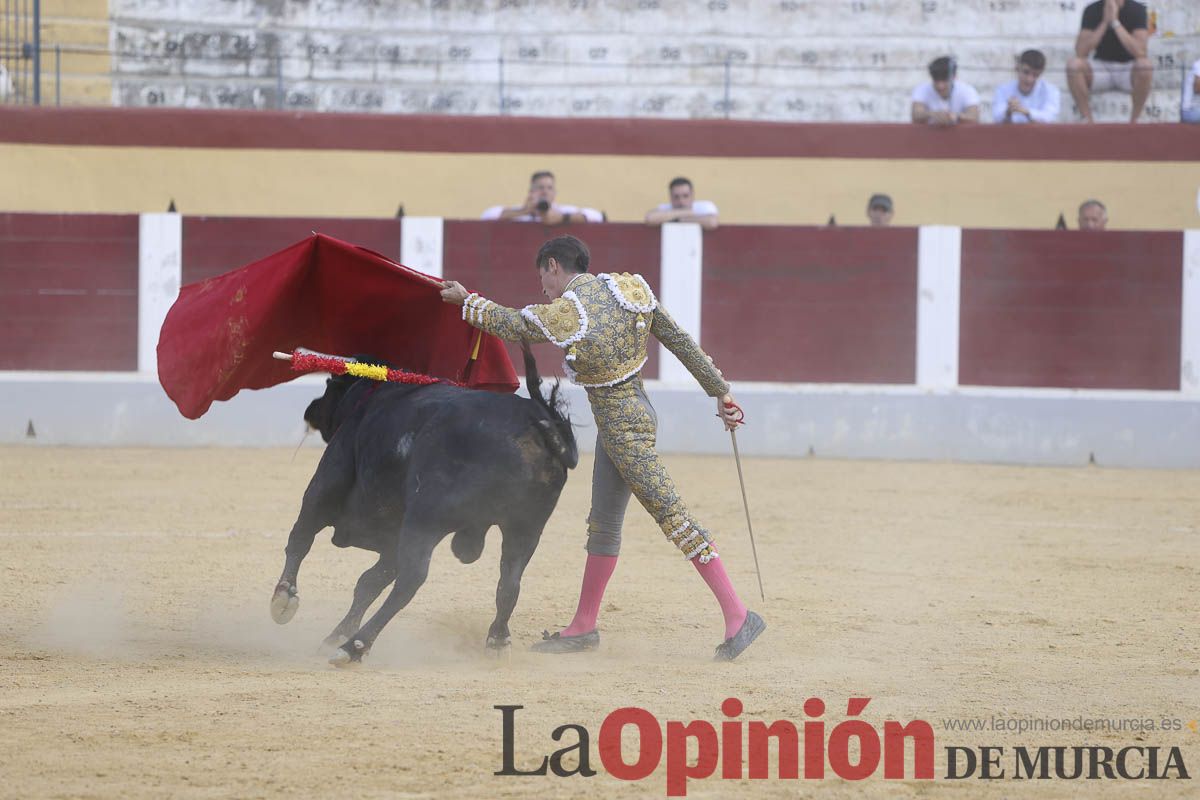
[286, 80]
[20, 52]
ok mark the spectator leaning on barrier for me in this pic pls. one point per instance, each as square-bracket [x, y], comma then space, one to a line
[684, 207]
[944, 101]
[1028, 98]
[1190, 111]
[1115, 34]
[880, 210]
[1093, 216]
[539, 206]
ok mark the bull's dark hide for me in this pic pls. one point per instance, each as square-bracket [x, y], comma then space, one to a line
[408, 465]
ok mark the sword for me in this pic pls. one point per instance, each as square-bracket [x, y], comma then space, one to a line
[737, 458]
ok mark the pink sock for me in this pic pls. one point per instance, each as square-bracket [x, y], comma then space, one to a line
[595, 578]
[731, 605]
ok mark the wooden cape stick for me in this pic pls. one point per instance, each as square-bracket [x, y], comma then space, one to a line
[281, 356]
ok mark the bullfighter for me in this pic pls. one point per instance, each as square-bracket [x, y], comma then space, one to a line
[602, 323]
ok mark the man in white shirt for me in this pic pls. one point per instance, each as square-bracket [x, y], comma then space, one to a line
[1190, 111]
[944, 101]
[684, 207]
[1028, 98]
[539, 206]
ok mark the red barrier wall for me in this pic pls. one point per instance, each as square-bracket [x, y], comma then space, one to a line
[68, 292]
[1039, 308]
[214, 245]
[823, 305]
[279, 130]
[1094, 310]
[496, 259]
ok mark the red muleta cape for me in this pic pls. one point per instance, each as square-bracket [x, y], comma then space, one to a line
[326, 295]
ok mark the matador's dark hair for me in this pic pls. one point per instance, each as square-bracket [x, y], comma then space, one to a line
[569, 252]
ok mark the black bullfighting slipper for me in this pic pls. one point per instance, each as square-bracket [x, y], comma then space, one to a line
[732, 647]
[557, 643]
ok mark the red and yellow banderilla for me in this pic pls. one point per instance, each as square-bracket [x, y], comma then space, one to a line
[305, 360]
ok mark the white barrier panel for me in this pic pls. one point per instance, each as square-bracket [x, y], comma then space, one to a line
[1189, 345]
[421, 244]
[939, 278]
[160, 273]
[680, 289]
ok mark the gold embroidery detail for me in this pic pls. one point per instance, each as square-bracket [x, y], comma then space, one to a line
[627, 433]
[560, 318]
[609, 373]
[633, 289]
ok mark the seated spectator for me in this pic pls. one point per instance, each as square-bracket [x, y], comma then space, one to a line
[1028, 98]
[944, 101]
[539, 206]
[684, 207]
[1093, 216]
[1190, 111]
[1115, 34]
[880, 210]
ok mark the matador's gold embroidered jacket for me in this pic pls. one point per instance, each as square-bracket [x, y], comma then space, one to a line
[603, 323]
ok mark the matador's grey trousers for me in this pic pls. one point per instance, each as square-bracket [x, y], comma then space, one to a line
[610, 495]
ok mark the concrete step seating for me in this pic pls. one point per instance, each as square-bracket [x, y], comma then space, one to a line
[789, 60]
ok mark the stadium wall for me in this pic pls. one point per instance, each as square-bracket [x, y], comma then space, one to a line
[930, 343]
[229, 163]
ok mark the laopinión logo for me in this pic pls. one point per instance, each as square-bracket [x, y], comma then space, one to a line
[741, 749]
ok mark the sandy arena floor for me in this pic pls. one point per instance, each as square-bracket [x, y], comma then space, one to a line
[138, 658]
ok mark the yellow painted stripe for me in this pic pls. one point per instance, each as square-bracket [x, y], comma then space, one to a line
[775, 191]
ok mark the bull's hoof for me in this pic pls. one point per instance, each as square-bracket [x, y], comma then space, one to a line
[498, 643]
[332, 642]
[284, 603]
[349, 655]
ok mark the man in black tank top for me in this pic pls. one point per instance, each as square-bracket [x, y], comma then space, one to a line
[1116, 35]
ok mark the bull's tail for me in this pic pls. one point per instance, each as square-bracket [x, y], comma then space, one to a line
[555, 424]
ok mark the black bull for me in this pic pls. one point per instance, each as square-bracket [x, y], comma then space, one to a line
[407, 465]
